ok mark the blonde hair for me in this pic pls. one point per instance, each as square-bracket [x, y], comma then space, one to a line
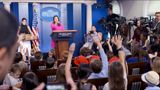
[156, 65]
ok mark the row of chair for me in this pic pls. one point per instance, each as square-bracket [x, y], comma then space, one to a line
[134, 75]
[133, 68]
[35, 65]
[43, 75]
[134, 82]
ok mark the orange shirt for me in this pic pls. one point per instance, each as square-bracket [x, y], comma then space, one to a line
[113, 59]
[80, 59]
[92, 57]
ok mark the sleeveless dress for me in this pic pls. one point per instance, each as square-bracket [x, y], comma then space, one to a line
[25, 44]
[54, 28]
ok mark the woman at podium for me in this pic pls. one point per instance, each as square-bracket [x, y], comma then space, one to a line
[55, 25]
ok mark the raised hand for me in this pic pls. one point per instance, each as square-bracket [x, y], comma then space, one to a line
[108, 41]
[96, 39]
[68, 74]
[117, 40]
[109, 45]
[72, 48]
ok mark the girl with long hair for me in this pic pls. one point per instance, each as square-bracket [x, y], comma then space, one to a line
[117, 70]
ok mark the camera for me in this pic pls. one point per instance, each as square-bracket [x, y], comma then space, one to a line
[91, 32]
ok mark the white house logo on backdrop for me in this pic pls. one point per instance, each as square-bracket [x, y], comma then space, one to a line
[48, 13]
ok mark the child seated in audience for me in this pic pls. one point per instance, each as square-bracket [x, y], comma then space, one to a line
[38, 56]
[83, 73]
[80, 59]
[84, 52]
[18, 57]
[30, 81]
[60, 74]
[62, 59]
[13, 77]
[92, 57]
[23, 65]
[151, 78]
[112, 57]
[24, 68]
[52, 54]
[49, 63]
[138, 55]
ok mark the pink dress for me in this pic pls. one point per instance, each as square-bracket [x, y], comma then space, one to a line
[55, 27]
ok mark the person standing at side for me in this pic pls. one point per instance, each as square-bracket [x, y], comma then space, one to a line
[156, 29]
[26, 34]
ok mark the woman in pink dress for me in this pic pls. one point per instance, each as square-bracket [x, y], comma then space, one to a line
[55, 25]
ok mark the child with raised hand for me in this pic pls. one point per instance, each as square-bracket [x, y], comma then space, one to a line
[83, 72]
[68, 75]
[117, 79]
[99, 67]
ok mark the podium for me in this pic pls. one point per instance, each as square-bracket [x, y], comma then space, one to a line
[61, 37]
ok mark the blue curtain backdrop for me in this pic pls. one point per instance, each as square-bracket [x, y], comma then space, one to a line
[70, 15]
[30, 10]
[97, 14]
[79, 36]
[14, 9]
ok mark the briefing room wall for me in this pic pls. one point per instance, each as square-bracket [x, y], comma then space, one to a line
[73, 22]
[97, 14]
[72, 19]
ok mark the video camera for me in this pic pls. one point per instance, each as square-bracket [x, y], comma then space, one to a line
[106, 24]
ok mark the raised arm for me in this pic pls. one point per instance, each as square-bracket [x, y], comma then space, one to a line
[102, 55]
[101, 51]
[117, 40]
[68, 75]
[109, 45]
[29, 29]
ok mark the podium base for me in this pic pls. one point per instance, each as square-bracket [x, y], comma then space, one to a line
[61, 46]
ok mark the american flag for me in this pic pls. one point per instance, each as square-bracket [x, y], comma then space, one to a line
[35, 43]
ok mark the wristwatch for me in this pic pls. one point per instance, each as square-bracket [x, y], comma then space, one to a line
[120, 49]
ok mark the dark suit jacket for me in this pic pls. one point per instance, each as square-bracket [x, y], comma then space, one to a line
[157, 28]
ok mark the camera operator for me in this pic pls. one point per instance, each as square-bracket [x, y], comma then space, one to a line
[137, 32]
[112, 18]
[89, 40]
[156, 29]
[140, 30]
